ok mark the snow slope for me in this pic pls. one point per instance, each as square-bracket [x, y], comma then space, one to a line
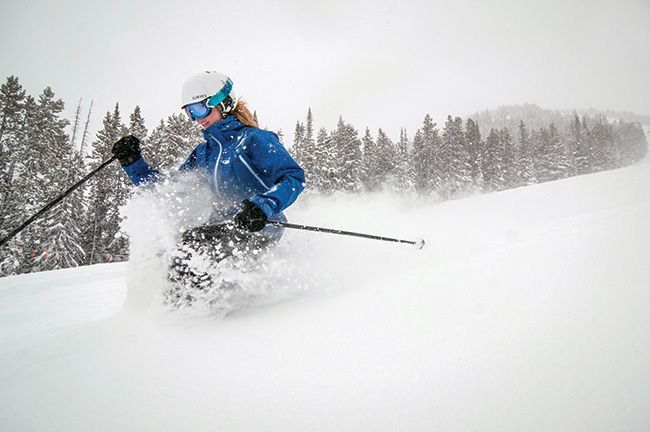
[527, 310]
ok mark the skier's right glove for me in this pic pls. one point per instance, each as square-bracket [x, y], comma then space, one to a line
[127, 150]
[250, 217]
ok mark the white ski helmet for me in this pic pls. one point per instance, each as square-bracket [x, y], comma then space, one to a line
[211, 85]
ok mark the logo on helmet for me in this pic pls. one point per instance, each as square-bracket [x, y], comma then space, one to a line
[203, 96]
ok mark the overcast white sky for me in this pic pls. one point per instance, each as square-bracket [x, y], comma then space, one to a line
[378, 63]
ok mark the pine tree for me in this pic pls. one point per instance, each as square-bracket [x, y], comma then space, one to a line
[386, 158]
[426, 157]
[492, 166]
[62, 241]
[12, 97]
[12, 106]
[603, 135]
[526, 167]
[170, 142]
[41, 177]
[304, 147]
[455, 168]
[368, 174]
[109, 189]
[560, 157]
[62, 233]
[420, 167]
[346, 157]
[579, 148]
[308, 137]
[474, 149]
[137, 127]
[181, 136]
[509, 157]
[551, 158]
[12, 112]
[154, 149]
[404, 177]
[544, 160]
[319, 177]
[297, 149]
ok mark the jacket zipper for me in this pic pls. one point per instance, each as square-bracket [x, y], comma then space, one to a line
[216, 166]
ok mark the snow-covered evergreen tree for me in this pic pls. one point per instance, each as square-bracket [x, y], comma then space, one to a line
[509, 157]
[579, 148]
[12, 98]
[318, 178]
[403, 180]
[426, 156]
[603, 135]
[304, 149]
[345, 158]
[309, 143]
[12, 106]
[368, 162]
[40, 178]
[561, 164]
[137, 127]
[296, 149]
[526, 171]
[109, 189]
[12, 112]
[387, 158]
[551, 158]
[62, 234]
[474, 150]
[155, 148]
[455, 170]
[492, 167]
[181, 136]
[62, 241]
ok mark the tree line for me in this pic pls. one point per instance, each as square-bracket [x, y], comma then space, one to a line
[39, 159]
[457, 159]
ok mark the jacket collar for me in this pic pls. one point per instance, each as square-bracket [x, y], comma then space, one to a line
[229, 124]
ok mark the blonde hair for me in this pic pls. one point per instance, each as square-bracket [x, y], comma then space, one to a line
[244, 115]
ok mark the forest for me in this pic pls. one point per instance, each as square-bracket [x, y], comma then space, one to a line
[42, 153]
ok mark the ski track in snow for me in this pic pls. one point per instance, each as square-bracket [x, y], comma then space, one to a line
[527, 310]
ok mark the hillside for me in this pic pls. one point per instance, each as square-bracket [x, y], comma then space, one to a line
[527, 310]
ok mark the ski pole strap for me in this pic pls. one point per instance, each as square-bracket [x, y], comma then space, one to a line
[55, 201]
[418, 243]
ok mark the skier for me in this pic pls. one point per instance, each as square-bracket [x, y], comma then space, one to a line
[249, 170]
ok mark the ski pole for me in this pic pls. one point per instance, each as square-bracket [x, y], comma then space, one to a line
[56, 200]
[419, 244]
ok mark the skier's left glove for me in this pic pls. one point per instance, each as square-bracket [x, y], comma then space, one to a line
[127, 150]
[250, 217]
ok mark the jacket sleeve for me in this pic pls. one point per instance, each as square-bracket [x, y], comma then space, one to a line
[141, 172]
[281, 174]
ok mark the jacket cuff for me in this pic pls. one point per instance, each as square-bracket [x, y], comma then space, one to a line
[137, 169]
[263, 203]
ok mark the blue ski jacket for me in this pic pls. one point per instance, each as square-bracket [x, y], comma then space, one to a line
[240, 162]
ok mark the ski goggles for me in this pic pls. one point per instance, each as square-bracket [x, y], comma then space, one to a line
[197, 110]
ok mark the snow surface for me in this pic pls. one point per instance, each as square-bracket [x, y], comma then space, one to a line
[526, 311]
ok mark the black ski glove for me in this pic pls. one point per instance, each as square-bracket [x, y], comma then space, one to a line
[251, 217]
[127, 150]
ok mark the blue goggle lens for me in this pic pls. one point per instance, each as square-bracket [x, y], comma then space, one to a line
[197, 110]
